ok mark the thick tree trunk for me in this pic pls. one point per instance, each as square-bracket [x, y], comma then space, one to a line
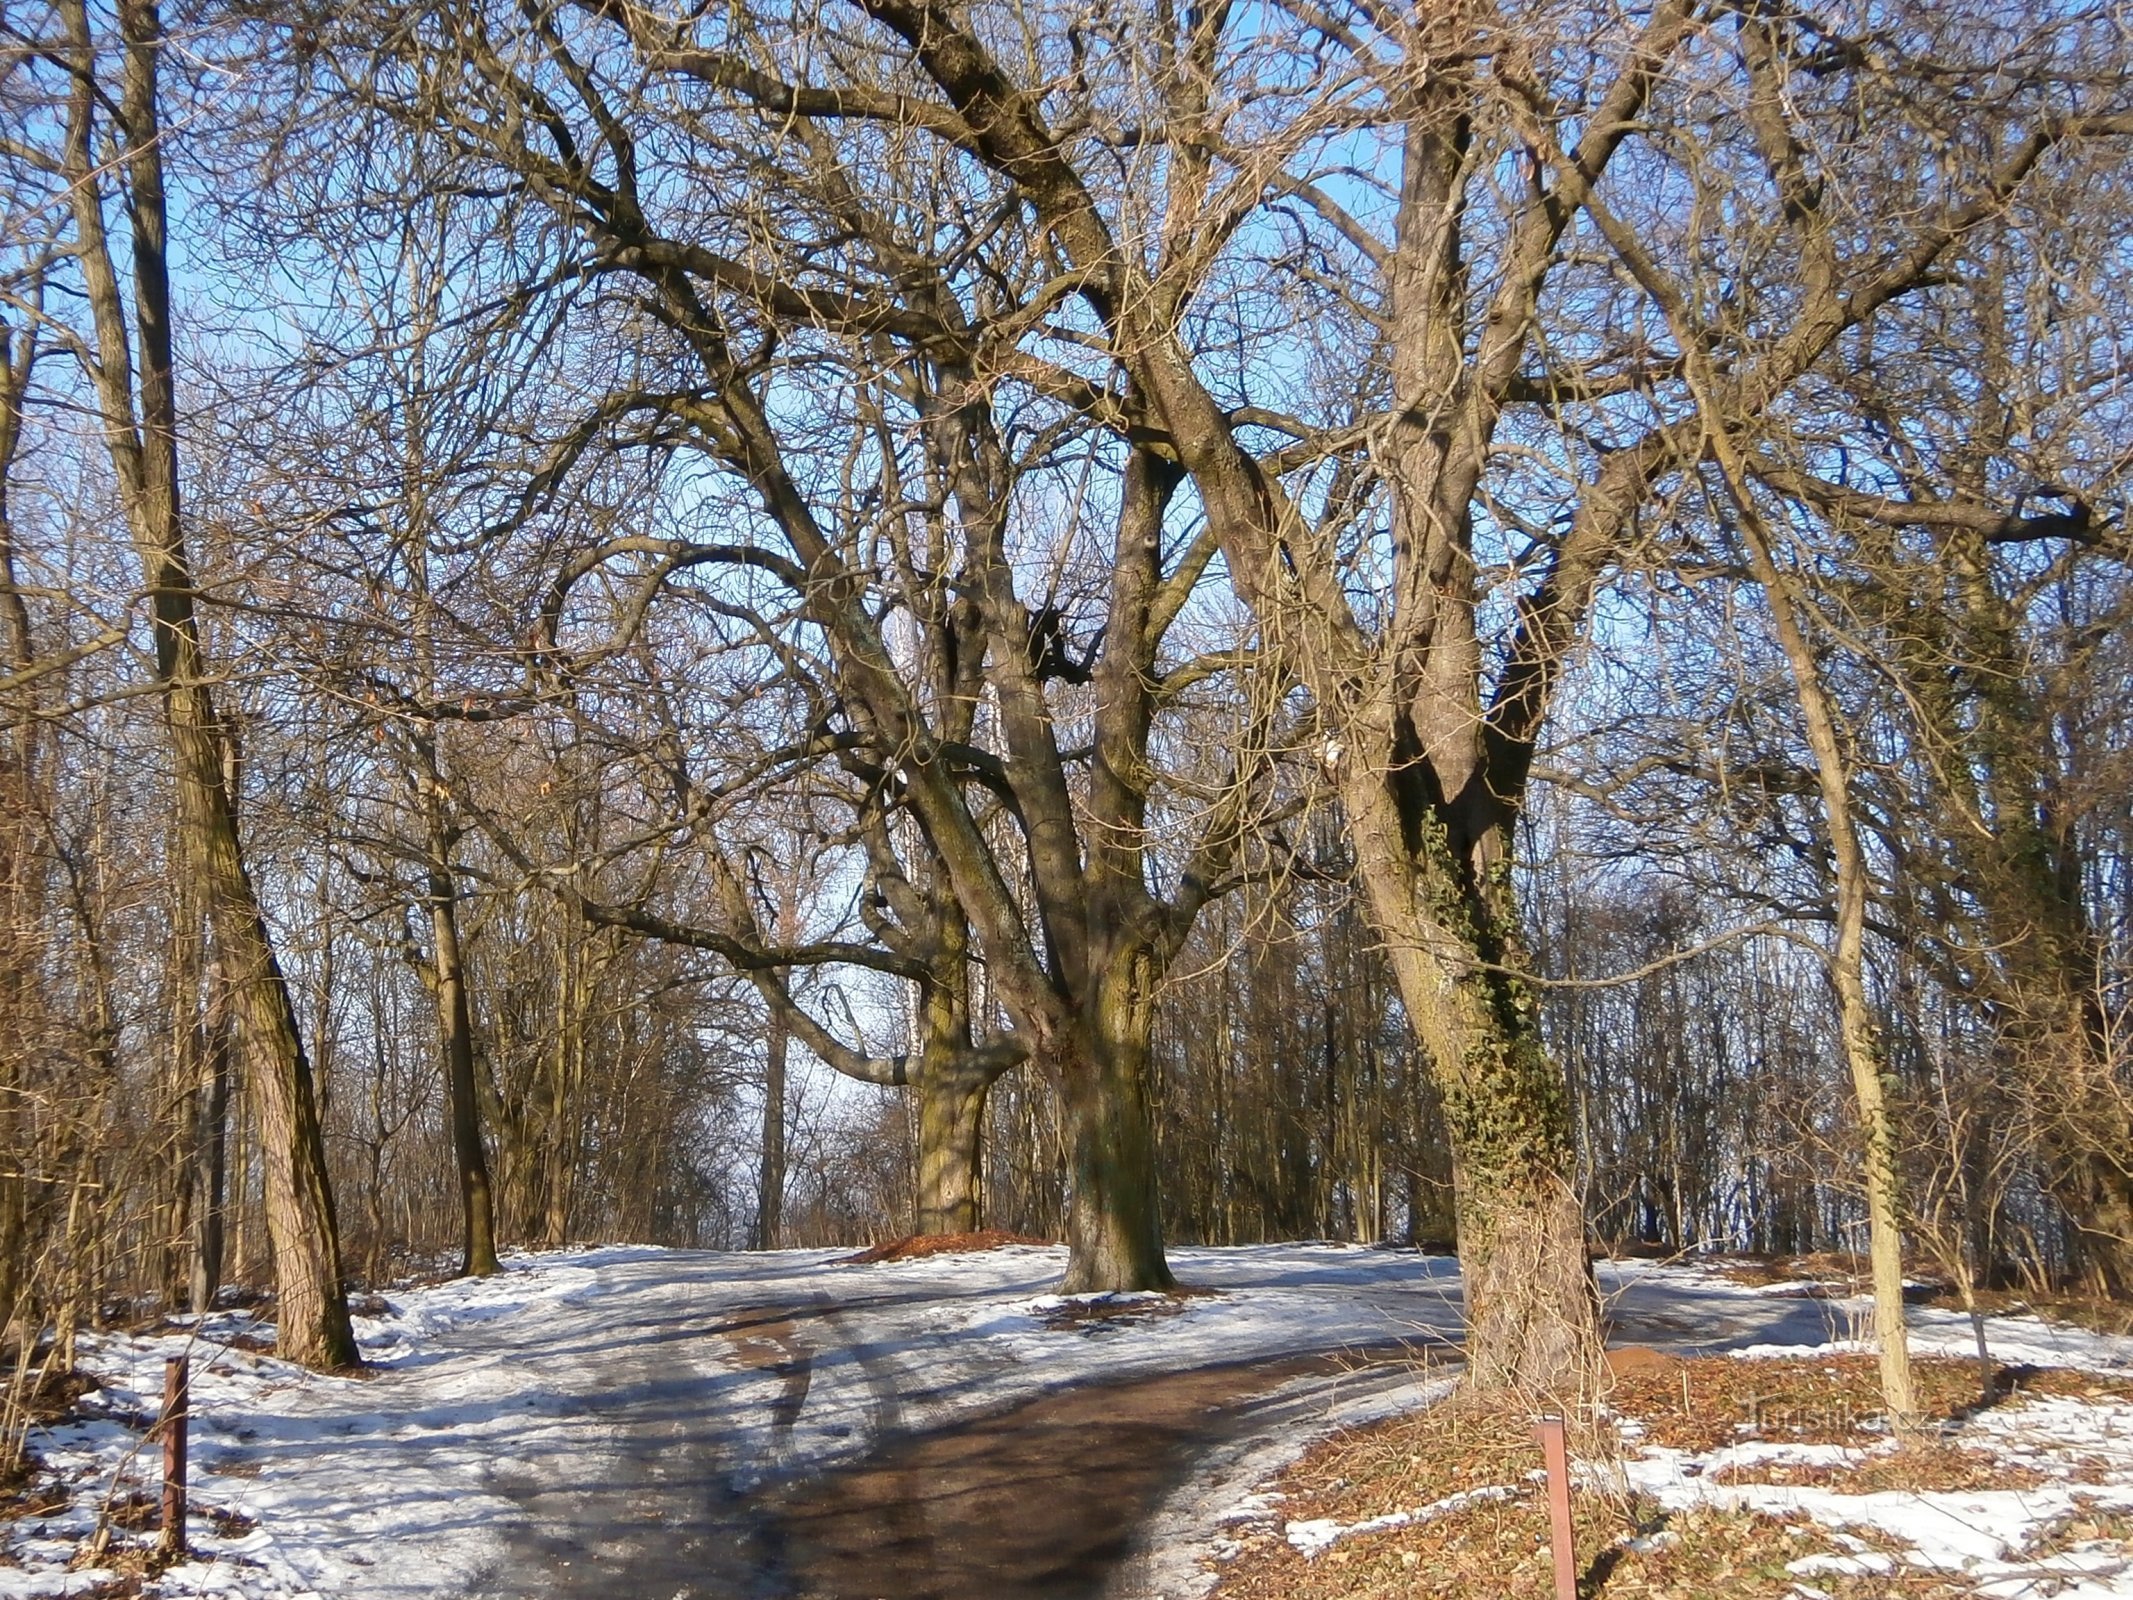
[951, 1124]
[1114, 1222]
[2098, 1195]
[770, 1181]
[2025, 869]
[2088, 1148]
[1445, 910]
[1532, 1311]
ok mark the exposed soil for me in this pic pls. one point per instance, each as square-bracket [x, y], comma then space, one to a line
[1037, 1503]
[917, 1246]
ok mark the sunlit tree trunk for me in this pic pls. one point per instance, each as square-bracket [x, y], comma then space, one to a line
[455, 1023]
[1858, 1027]
[312, 1313]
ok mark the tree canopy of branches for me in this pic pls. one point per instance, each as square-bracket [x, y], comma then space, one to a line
[954, 544]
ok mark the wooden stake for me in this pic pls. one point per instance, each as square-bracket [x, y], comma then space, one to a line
[177, 1395]
[1555, 1455]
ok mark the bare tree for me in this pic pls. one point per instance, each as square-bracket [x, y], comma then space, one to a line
[135, 381]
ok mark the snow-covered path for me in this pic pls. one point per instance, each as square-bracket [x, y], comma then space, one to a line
[621, 1420]
[596, 1412]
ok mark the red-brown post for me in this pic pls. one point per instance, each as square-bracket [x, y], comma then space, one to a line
[177, 1395]
[1555, 1455]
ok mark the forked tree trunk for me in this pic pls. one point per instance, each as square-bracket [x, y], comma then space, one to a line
[312, 1315]
[1531, 1306]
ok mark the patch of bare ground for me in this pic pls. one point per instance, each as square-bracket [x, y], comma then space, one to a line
[917, 1246]
[27, 1491]
[1703, 1402]
[26, 1488]
[56, 1395]
[1462, 1482]
[1836, 1271]
[1099, 1313]
[1831, 1274]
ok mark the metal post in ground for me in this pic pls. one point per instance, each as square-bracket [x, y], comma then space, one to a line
[177, 1395]
[1555, 1456]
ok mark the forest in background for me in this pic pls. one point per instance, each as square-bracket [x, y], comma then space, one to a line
[1501, 628]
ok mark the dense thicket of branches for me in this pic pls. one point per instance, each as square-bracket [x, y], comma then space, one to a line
[1499, 626]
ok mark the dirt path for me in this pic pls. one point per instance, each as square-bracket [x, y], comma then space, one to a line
[622, 1421]
[1040, 1501]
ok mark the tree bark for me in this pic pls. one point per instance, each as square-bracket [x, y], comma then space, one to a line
[770, 1180]
[210, 1159]
[21, 899]
[1114, 1219]
[1857, 1026]
[312, 1316]
[1532, 1309]
[2022, 865]
[951, 1128]
[455, 1025]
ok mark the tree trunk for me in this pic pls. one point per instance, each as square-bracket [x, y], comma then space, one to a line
[187, 1067]
[2092, 1186]
[455, 1023]
[951, 1126]
[312, 1316]
[1847, 960]
[2106, 1223]
[210, 1163]
[22, 1011]
[1531, 1306]
[770, 1182]
[1114, 1225]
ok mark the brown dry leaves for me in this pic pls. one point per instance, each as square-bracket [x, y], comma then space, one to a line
[917, 1246]
[1498, 1550]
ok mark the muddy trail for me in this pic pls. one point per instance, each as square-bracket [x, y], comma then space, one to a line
[1044, 1500]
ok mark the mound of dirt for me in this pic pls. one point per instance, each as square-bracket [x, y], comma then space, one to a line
[918, 1245]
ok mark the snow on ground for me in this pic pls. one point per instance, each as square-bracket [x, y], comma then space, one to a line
[2082, 1449]
[2072, 1455]
[486, 1396]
